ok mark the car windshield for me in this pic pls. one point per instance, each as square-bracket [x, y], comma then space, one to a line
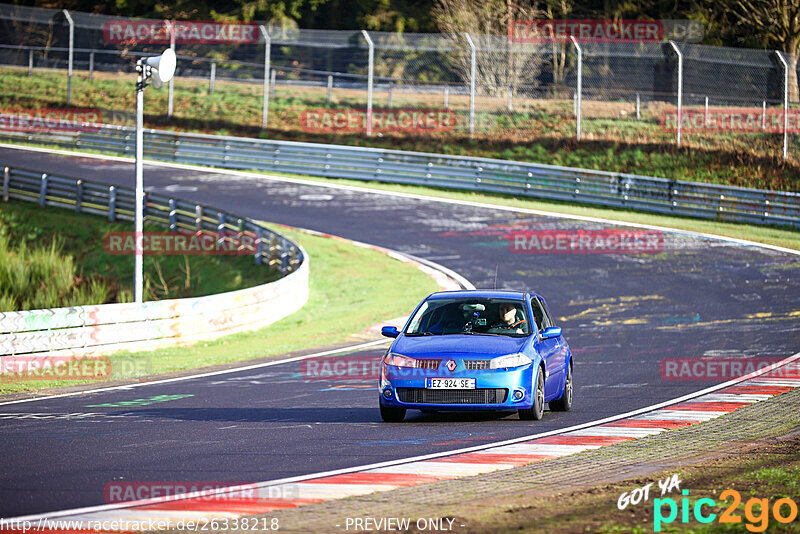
[486, 316]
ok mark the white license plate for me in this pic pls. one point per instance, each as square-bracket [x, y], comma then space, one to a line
[450, 383]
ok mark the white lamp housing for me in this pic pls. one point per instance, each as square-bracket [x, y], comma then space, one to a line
[162, 68]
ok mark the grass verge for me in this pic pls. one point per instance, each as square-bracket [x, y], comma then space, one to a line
[766, 473]
[352, 288]
[538, 130]
[80, 236]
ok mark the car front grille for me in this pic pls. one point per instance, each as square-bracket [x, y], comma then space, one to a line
[428, 364]
[476, 365]
[452, 396]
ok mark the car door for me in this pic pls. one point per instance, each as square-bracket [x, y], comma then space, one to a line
[550, 349]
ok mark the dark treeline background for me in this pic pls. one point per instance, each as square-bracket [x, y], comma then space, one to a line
[747, 23]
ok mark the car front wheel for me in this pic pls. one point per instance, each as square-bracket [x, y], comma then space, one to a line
[535, 412]
[564, 404]
[392, 415]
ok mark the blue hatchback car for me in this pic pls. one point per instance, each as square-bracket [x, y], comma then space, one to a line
[477, 350]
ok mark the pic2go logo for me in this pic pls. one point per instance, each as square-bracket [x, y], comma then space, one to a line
[756, 511]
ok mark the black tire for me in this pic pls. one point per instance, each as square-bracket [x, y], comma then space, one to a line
[392, 415]
[564, 404]
[536, 412]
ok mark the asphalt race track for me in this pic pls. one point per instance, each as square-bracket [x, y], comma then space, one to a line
[624, 316]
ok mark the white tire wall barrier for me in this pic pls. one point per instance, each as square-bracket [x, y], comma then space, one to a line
[105, 328]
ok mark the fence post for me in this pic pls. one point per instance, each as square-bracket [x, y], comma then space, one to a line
[785, 105]
[78, 195]
[510, 98]
[170, 106]
[30, 63]
[221, 228]
[638, 108]
[211, 77]
[112, 205]
[680, 89]
[391, 85]
[43, 190]
[472, 68]
[446, 96]
[330, 89]
[71, 52]
[578, 88]
[705, 116]
[369, 79]
[763, 114]
[173, 215]
[198, 217]
[6, 180]
[259, 245]
[267, 47]
[91, 65]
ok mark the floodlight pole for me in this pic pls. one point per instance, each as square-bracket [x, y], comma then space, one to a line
[71, 53]
[680, 89]
[138, 224]
[267, 46]
[578, 88]
[472, 65]
[170, 98]
[371, 67]
[785, 105]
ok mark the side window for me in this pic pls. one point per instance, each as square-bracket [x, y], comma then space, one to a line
[547, 317]
[538, 314]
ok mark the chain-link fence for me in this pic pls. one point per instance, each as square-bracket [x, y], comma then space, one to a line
[379, 83]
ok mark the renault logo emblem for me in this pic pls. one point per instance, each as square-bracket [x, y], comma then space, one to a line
[451, 365]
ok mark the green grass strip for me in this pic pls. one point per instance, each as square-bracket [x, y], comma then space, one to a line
[351, 288]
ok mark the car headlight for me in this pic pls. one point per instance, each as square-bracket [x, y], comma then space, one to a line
[398, 360]
[510, 360]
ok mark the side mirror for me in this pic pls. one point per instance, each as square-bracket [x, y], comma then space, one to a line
[551, 332]
[390, 331]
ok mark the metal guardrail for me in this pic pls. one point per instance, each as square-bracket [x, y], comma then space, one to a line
[98, 329]
[618, 190]
[117, 203]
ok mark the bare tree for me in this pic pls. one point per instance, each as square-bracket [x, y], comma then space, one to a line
[501, 62]
[556, 9]
[779, 22]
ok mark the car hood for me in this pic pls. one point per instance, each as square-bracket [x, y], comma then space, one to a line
[458, 343]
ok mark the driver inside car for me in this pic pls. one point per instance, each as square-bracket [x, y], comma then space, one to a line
[508, 320]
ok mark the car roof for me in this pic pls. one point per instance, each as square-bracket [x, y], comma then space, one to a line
[479, 293]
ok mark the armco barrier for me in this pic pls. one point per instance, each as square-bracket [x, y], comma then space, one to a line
[613, 189]
[93, 330]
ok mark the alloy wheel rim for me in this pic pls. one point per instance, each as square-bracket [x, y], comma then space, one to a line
[569, 387]
[539, 398]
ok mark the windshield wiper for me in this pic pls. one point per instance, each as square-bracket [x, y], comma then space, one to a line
[415, 334]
